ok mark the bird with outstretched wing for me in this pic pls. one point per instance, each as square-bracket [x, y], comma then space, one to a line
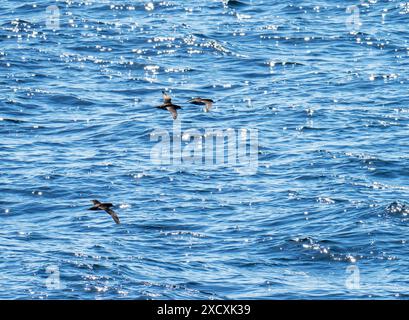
[201, 101]
[169, 106]
[106, 207]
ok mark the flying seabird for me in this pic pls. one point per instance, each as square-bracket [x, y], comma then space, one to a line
[106, 207]
[168, 105]
[201, 101]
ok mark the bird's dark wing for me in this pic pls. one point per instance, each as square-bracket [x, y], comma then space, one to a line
[196, 101]
[172, 110]
[107, 205]
[113, 215]
[166, 97]
[200, 101]
[94, 208]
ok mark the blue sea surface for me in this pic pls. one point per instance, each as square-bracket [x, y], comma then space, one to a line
[324, 216]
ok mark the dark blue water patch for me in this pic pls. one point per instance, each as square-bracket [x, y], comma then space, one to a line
[235, 3]
[13, 121]
[397, 208]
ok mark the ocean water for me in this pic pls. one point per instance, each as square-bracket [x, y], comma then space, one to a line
[324, 214]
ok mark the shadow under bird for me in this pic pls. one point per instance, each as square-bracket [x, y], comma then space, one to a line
[106, 207]
[168, 105]
[200, 101]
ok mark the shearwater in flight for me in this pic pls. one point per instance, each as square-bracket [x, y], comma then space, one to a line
[168, 105]
[200, 101]
[106, 207]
